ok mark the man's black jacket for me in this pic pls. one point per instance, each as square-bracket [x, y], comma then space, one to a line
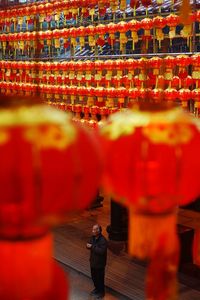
[98, 252]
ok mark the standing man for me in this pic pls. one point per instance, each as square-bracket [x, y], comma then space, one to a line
[98, 257]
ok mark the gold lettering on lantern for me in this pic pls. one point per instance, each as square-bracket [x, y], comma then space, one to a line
[171, 134]
[51, 136]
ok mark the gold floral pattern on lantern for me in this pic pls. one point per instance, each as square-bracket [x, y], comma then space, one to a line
[173, 128]
[4, 137]
[50, 136]
[173, 134]
[117, 126]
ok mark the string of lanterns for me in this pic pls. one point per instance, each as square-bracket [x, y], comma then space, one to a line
[30, 42]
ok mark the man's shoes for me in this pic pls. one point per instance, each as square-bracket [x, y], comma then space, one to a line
[94, 292]
[100, 295]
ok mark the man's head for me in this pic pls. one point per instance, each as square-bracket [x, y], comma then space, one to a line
[96, 230]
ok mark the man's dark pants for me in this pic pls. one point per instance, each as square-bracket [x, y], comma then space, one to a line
[98, 279]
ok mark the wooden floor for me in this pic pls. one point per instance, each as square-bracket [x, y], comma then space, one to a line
[123, 274]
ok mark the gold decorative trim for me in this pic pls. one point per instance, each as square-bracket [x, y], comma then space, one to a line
[171, 126]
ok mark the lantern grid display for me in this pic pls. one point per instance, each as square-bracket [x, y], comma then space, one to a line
[88, 58]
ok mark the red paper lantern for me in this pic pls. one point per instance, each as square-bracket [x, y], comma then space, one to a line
[20, 218]
[156, 175]
[47, 153]
[184, 95]
[170, 94]
[157, 94]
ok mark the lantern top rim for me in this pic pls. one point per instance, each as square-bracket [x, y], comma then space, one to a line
[33, 115]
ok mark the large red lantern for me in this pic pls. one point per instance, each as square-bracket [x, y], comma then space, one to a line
[159, 23]
[53, 168]
[158, 173]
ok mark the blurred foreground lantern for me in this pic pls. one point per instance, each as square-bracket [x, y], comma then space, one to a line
[49, 167]
[158, 173]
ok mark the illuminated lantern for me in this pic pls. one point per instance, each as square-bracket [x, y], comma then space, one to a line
[143, 93]
[147, 25]
[188, 82]
[93, 122]
[81, 34]
[111, 29]
[100, 94]
[169, 64]
[102, 6]
[56, 37]
[111, 94]
[122, 93]
[172, 21]
[182, 61]
[3, 39]
[90, 96]
[90, 32]
[119, 66]
[134, 27]
[159, 23]
[196, 98]
[77, 109]
[47, 151]
[109, 66]
[157, 174]
[131, 65]
[122, 27]
[156, 63]
[142, 77]
[125, 81]
[101, 31]
[88, 66]
[170, 94]
[156, 94]
[86, 111]
[133, 94]
[103, 111]
[184, 95]
[175, 82]
[99, 66]
[196, 69]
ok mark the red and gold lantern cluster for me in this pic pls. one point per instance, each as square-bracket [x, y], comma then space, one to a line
[114, 83]
[49, 11]
[96, 34]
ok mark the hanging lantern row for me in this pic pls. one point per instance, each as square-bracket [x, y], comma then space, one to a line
[111, 97]
[91, 116]
[155, 72]
[96, 34]
[43, 9]
[70, 9]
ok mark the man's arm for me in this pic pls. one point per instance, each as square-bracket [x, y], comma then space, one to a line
[89, 244]
[101, 247]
